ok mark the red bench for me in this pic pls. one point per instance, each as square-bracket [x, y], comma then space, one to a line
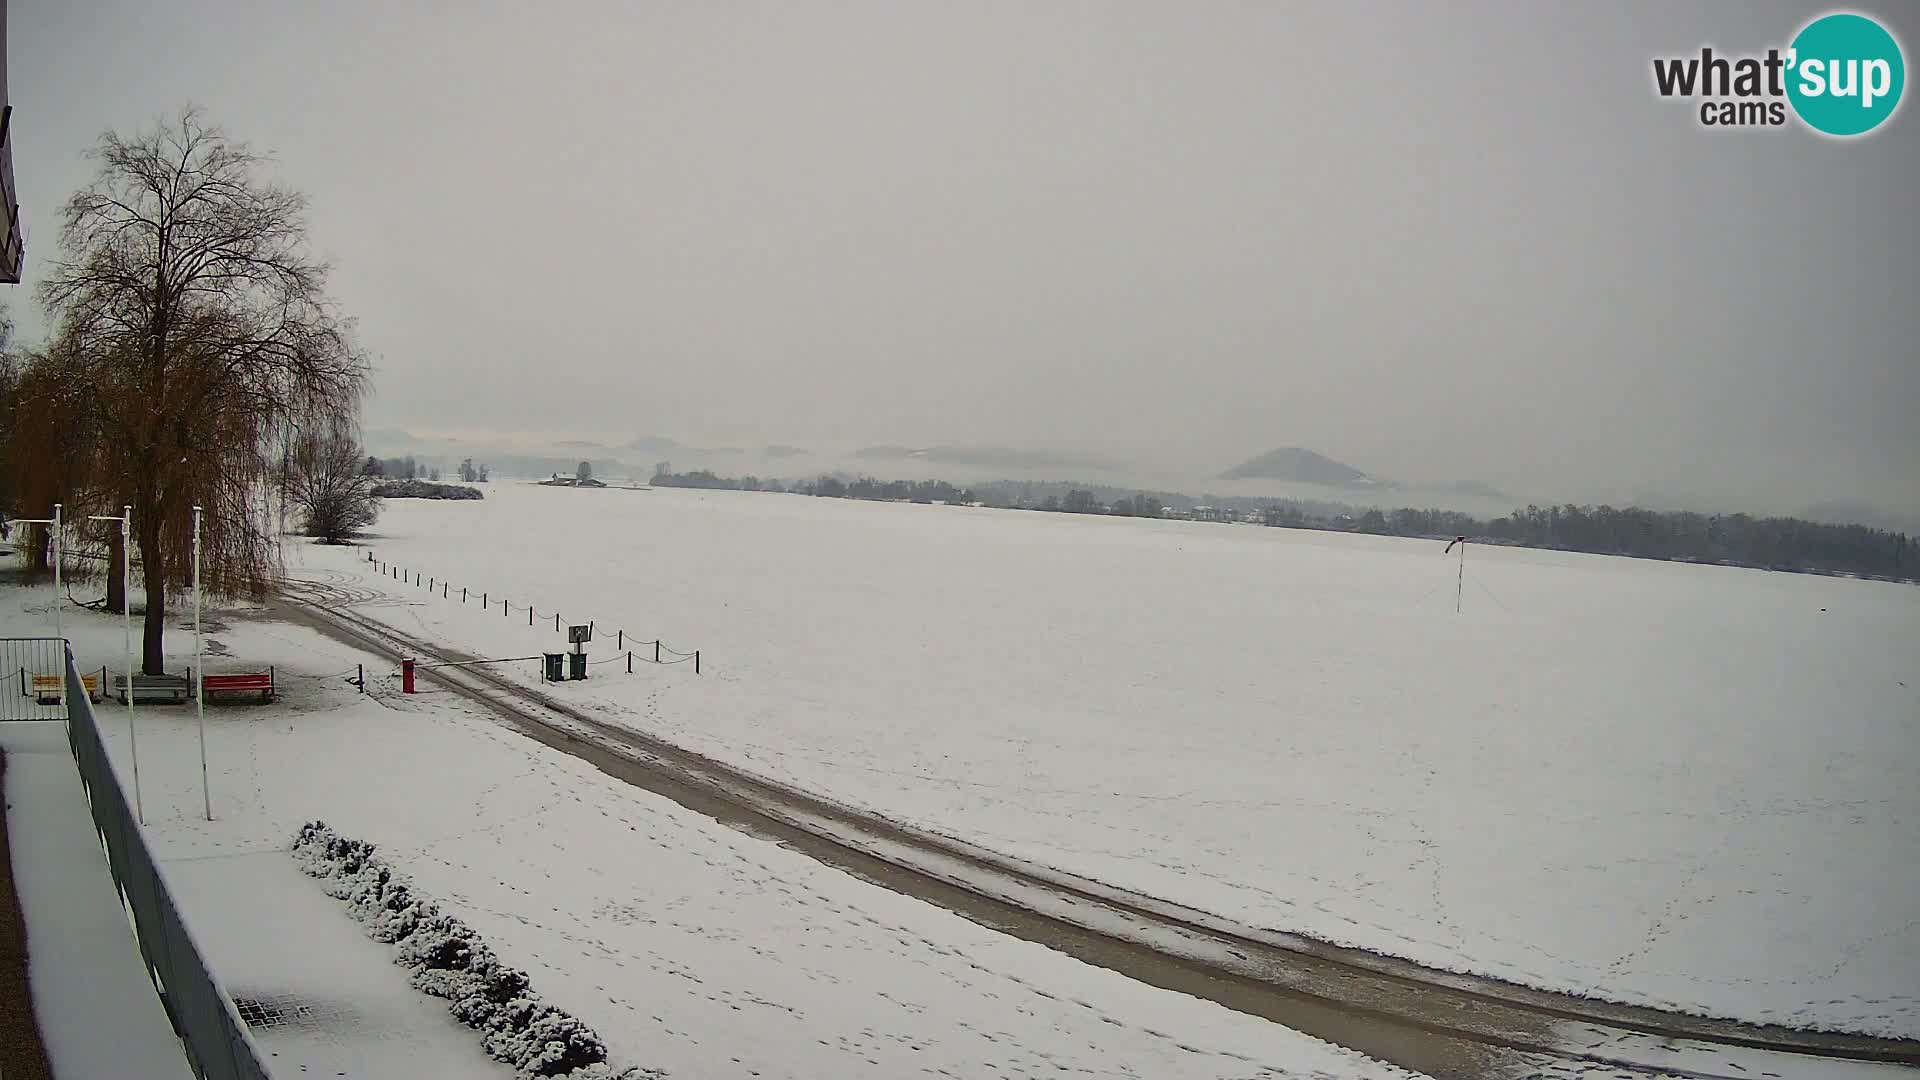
[257, 682]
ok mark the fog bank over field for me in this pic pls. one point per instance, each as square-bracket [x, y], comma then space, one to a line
[1285, 473]
[1122, 233]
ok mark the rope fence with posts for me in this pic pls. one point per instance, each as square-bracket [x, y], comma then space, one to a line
[578, 635]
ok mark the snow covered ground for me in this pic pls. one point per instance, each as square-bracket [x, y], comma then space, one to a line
[1684, 786]
[687, 945]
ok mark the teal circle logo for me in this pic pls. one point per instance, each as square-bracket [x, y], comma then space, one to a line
[1845, 74]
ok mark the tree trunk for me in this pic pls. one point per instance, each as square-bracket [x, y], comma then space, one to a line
[37, 542]
[116, 575]
[153, 657]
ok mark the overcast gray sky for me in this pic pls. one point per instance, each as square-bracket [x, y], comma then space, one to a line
[1434, 241]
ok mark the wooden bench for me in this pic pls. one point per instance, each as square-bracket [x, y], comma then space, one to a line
[252, 682]
[52, 689]
[166, 689]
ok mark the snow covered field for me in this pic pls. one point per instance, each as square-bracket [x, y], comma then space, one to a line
[686, 945]
[1684, 786]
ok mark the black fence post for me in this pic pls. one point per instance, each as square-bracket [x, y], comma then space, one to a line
[444, 587]
[656, 650]
[463, 594]
[629, 661]
[556, 620]
[529, 614]
[696, 661]
[361, 678]
[620, 640]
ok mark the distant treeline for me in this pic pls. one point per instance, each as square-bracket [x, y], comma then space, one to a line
[831, 487]
[406, 468]
[423, 489]
[1772, 543]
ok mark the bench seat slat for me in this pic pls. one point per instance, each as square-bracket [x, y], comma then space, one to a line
[249, 682]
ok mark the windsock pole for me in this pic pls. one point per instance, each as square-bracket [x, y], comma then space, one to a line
[1460, 577]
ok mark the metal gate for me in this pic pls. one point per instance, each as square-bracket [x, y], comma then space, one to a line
[35, 671]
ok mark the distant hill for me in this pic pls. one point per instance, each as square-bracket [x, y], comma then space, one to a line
[387, 438]
[1300, 466]
[652, 444]
[1475, 487]
[998, 457]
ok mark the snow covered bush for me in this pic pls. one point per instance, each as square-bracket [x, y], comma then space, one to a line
[444, 957]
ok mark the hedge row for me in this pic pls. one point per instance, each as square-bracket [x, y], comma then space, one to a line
[447, 959]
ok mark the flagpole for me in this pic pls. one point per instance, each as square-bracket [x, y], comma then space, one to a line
[56, 572]
[1460, 579]
[126, 606]
[199, 671]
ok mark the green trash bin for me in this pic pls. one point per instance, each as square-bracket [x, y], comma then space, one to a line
[553, 672]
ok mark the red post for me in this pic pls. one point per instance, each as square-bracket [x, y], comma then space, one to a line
[406, 675]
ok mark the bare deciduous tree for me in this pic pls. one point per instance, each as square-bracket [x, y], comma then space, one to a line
[327, 479]
[199, 324]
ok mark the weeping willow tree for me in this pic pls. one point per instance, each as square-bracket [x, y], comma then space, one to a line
[51, 455]
[194, 328]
